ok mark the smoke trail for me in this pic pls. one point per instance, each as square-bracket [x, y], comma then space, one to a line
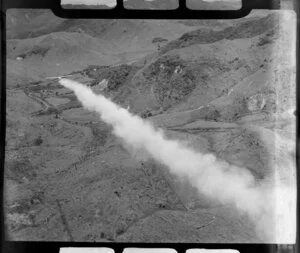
[215, 179]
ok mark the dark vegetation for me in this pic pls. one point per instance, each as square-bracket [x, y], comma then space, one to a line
[268, 38]
[36, 50]
[159, 40]
[116, 76]
[38, 141]
[173, 79]
[247, 29]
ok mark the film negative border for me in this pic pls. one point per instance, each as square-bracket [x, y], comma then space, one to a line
[183, 12]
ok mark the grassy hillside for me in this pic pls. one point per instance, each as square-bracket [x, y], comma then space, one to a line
[23, 23]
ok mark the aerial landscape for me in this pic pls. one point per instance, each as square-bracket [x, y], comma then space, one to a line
[224, 90]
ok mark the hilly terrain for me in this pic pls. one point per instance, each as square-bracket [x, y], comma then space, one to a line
[225, 88]
[60, 43]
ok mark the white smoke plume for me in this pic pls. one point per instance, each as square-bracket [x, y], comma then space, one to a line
[215, 179]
